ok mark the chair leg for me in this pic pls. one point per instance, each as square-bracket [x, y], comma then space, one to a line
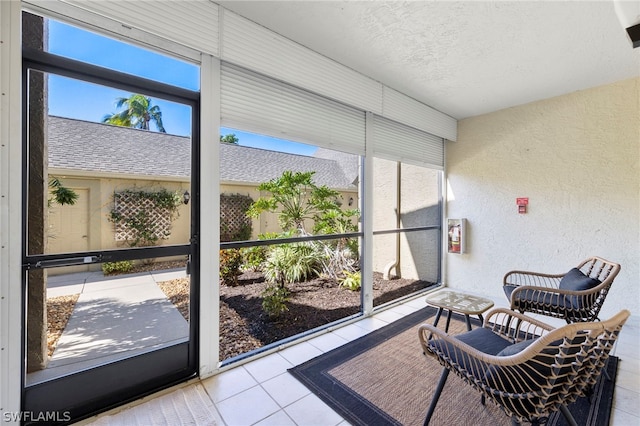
[567, 415]
[514, 422]
[436, 396]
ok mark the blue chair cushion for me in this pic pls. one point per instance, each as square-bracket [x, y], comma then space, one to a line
[575, 280]
[481, 339]
[515, 348]
[484, 340]
[528, 298]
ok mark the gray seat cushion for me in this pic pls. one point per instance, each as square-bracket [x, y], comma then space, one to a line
[536, 297]
[575, 280]
[481, 339]
[515, 348]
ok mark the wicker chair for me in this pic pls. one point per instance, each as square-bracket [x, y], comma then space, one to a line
[526, 367]
[575, 296]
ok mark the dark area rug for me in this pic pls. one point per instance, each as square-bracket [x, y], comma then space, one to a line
[383, 379]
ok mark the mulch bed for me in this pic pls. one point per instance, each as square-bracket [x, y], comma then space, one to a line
[244, 326]
[59, 311]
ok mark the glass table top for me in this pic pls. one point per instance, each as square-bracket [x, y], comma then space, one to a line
[459, 302]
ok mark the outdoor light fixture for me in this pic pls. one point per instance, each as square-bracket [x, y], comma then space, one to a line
[186, 197]
[629, 16]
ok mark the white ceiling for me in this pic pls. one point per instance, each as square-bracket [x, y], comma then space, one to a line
[464, 58]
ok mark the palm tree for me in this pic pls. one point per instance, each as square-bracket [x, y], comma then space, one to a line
[138, 112]
[230, 138]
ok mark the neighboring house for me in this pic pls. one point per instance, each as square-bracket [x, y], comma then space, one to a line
[97, 160]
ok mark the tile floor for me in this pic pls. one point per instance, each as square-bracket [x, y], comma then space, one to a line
[263, 393]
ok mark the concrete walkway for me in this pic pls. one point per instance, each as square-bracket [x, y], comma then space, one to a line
[114, 318]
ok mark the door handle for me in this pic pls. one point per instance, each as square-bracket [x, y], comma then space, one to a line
[85, 260]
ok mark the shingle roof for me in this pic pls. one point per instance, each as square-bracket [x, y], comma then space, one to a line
[259, 165]
[349, 163]
[95, 147]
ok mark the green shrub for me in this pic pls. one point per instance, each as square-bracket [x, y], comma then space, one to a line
[274, 300]
[254, 257]
[120, 267]
[351, 280]
[290, 263]
[230, 263]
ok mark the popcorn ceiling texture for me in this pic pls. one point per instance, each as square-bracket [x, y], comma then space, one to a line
[463, 58]
[577, 158]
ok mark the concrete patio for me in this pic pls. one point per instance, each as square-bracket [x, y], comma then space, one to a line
[114, 317]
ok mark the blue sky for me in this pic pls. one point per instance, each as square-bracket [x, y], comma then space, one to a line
[87, 101]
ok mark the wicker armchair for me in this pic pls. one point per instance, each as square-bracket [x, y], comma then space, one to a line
[526, 367]
[575, 296]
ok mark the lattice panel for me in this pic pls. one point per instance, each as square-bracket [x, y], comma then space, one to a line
[233, 217]
[131, 204]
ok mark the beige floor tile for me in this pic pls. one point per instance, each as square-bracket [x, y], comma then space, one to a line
[228, 384]
[311, 411]
[248, 407]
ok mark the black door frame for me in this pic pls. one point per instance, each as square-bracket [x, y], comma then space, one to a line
[85, 393]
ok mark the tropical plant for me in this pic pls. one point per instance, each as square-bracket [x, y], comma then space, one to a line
[230, 263]
[351, 280]
[253, 257]
[334, 220]
[296, 198]
[342, 253]
[290, 263]
[274, 300]
[60, 193]
[230, 138]
[138, 112]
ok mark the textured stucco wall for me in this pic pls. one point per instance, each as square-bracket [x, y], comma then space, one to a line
[419, 206]
[100, 230]
[577, 158]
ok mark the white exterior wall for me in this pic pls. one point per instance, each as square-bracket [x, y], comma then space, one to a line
[577, 158]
